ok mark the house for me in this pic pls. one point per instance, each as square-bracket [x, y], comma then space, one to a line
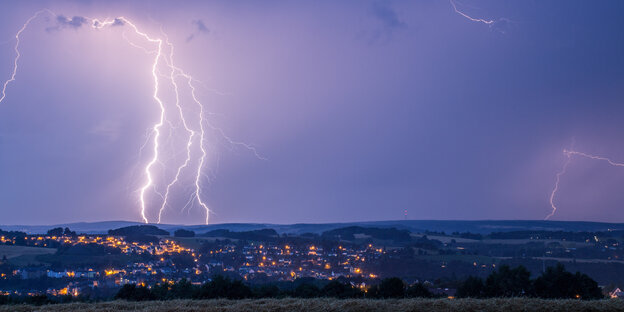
[616, 293]
[30, 273]
[54, 274]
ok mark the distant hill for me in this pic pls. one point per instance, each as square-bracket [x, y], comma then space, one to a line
[348, 233]
[135, 230]
[414, 226]
[263, 234]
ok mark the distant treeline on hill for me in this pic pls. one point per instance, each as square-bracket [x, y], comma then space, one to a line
[138, 230]
[348, 233]
[560, 235]
[264, 234]
[139, 233]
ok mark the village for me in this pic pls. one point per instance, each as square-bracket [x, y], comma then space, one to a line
[168, 261]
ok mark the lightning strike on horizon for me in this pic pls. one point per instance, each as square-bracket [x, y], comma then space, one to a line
[569, 154]
[201, 145]
[154, 134]
[556, 188]
[190, 132]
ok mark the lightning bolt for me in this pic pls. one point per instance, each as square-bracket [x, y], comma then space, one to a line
[569, 154]
[191, 133]
[478, 20]
[155, 133]
[556, 188]
[493, 24]
[18, 55]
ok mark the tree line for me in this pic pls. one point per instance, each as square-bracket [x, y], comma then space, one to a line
[223, 287]
[554, 283]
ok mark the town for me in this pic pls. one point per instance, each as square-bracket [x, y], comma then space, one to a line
[95, 266]
[168, 260]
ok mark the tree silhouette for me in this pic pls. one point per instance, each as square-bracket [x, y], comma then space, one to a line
[507, 282]
[556, 282]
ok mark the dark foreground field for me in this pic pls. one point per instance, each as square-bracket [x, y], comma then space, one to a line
[260, 305]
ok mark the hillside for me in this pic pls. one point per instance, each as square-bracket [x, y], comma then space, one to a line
[448, 226]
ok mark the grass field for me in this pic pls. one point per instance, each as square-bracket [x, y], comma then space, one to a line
[22, 255]
[16, 251]
[327, 305]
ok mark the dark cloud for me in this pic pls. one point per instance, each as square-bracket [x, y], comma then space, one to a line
[118, 22]
[200, 28]
[388, 21]
[387, 15]
[66, 22]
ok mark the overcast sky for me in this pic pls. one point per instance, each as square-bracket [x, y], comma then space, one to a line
[359, 110]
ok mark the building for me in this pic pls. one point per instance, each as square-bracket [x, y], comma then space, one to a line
[616, 293]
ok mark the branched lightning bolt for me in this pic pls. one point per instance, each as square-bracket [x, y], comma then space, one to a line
[479, 20]
[156, 128]
[18, 55]
[202, 134]
[569, 154]
[556, 188]
[611, 162]
[498, 24]
[155, 134]
[186, 127]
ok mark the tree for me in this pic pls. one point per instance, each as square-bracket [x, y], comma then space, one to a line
[266, 291]
[221, 287]
[183, 233]
[138, 230]
[307, 290]
[472, 287]
[55, 232]
[392, 287]
[418, 290]
[556, 282]
[181, 290]
[507, 282]
[68, 232]
[338, 289]
[133, 293]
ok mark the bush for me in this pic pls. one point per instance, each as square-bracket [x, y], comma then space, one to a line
[472, 287]
[337, 289]
[392, 287]
[267, 291]
[133, 292]
[418, 291]
[221, 287]
[307, 290]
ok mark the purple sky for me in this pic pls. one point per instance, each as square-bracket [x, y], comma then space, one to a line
[362, 109]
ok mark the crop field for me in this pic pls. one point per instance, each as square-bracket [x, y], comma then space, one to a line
[22, 255]
[337, 305]
[16, 251]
